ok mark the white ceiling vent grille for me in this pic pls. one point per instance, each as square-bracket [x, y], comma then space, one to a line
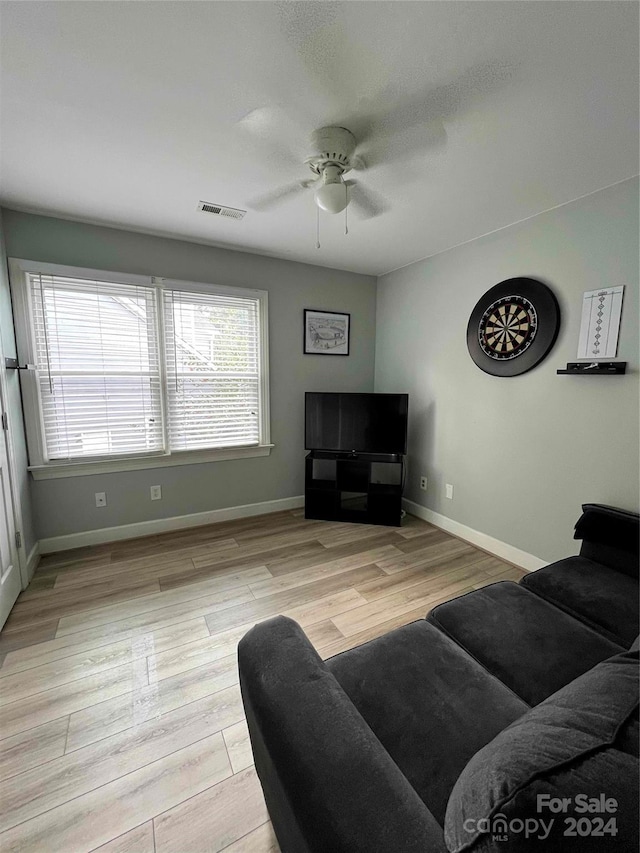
[220, 210]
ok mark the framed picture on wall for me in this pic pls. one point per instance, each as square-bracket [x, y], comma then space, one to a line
[326, 332]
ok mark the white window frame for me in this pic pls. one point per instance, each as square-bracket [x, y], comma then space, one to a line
[40, 467]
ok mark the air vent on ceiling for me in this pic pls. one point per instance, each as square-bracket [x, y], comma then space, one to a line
[220, 210]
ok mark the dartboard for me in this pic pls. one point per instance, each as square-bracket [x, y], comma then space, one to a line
[508, 327]
[513, 327]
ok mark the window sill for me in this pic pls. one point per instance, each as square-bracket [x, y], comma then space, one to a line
[56, 470]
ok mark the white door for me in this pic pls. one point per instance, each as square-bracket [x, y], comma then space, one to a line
[9, 568]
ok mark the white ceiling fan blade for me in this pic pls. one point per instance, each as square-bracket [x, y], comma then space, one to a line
[392, 127]
[407, 144]
[365, 202]
[276, 133]
[440, 103]
[275, 197]
[313, 31]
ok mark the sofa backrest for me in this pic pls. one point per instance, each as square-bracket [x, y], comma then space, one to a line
[610, 536]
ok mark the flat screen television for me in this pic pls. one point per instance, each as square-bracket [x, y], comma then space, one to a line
[360, 423]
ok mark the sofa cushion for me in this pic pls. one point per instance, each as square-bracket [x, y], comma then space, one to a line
[566, 746]
[603, 598]
[429, 703]
[530, 645]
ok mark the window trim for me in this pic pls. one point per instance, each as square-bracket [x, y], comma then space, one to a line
[40, 468]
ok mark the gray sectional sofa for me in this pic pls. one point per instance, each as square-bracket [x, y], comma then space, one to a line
[507, 720]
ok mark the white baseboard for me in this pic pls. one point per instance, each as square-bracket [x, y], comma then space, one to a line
[162, 525]
[32, 560]
[500, 549]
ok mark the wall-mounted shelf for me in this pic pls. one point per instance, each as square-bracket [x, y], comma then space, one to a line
[595, 368]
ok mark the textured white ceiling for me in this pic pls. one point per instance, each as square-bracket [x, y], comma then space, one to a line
[127, 114]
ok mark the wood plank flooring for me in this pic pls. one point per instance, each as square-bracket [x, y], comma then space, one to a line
[121, 722]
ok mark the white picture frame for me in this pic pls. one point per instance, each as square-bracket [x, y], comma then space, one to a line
[600, 324]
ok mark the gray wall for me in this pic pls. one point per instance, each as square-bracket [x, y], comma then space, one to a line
[14, 403]
[67, 505]
[522, 453]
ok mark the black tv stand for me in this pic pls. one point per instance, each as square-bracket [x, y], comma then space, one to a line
[360, 487]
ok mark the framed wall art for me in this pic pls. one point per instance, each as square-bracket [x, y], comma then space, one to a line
[600, 325]
[326, 332]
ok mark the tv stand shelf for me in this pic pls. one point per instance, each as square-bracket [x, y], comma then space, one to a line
[356, 487]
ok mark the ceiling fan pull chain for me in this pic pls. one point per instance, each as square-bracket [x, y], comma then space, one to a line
[317, 227]
[346, 207]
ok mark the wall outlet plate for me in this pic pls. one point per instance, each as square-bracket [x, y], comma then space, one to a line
[448, 490]
[101, 498]
[156, 493]
[423, 483]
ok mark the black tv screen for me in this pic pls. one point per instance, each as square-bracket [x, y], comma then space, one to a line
[364, 423]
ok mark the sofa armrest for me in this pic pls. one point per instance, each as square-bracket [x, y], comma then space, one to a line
[610, 536]
[329, 784]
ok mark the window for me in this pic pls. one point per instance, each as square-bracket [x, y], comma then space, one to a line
[130, 371]
[213, 370]
[98, 371]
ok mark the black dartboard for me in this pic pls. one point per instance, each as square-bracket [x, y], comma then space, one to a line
[513, 327]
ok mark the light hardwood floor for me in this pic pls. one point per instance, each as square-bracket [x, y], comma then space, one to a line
[121, 722]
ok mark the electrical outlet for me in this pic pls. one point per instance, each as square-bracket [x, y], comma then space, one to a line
[423, 483]
[449, 491]
[156, 493]
[101, 498]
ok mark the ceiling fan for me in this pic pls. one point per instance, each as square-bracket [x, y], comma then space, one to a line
[387, 129]
[334, 155]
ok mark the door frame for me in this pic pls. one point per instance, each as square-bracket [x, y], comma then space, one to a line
[11, 461]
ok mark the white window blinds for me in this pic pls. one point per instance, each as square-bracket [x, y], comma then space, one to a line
[135, 367]
[212, 357]
[96, 351]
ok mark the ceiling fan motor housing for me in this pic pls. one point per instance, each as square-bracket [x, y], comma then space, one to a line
[333, 146]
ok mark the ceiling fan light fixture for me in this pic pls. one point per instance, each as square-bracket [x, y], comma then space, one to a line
[332, 197]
